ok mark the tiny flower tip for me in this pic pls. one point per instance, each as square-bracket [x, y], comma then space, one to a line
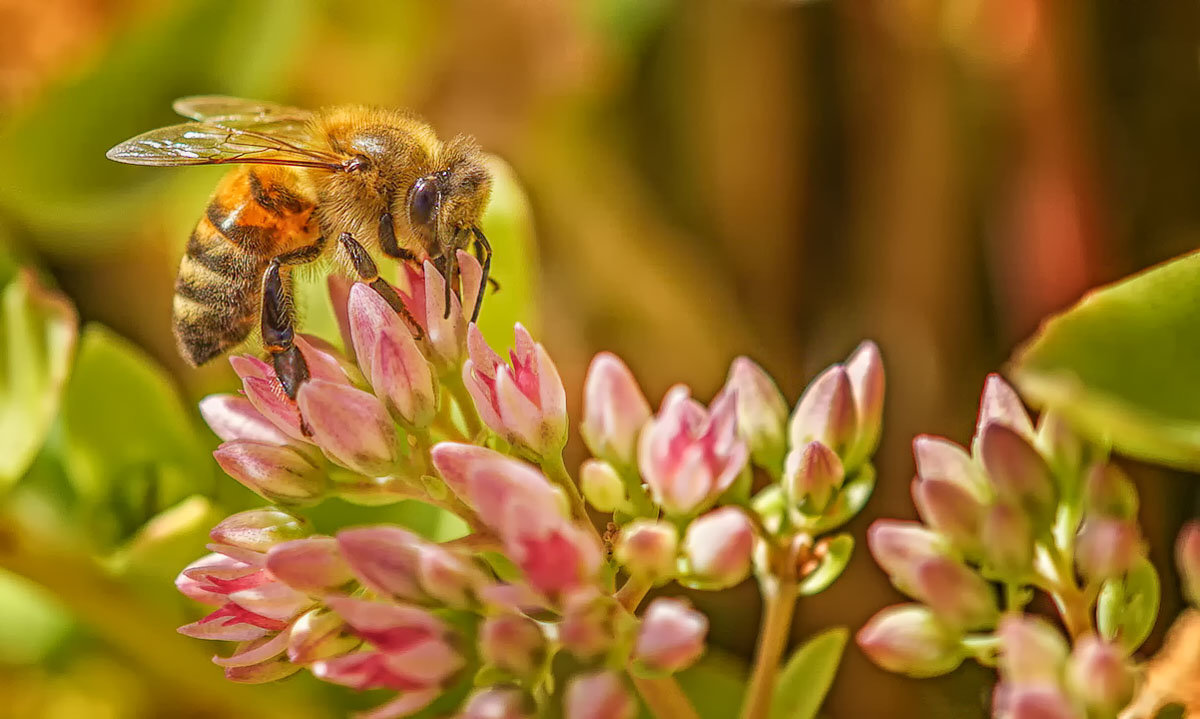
[1000, 404]
[811, 475]
[257, 530]
[647, 548]
[909, 639]
[826, 412]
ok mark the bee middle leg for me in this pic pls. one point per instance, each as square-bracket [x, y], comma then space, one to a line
[278, 332]
[368, 272]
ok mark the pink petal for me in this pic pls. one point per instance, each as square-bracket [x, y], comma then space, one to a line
[1000, 404]
[406, 704]
[254, 651]
[390, 627]
[232, 417]
[268, 398]
[384, 559]
[311, 565]
[350, 426]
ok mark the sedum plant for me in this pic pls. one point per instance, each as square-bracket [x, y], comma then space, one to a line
[530, 610]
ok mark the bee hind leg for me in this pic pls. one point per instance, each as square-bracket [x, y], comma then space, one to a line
[278, 332]
[368, 272]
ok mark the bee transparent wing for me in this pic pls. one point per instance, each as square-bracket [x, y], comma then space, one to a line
[214, 108]
[269, 142]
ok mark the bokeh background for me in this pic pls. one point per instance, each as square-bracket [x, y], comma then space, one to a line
[705, 178]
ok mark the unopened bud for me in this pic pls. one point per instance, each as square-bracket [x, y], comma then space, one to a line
[939, 458]
[954, 592]
[762, 412]
[909, 639]
[671, 637]
[865, 368]
[276, 473]
[1001, 405]
[312, 565]
[1031, 649]
[257, 530]
[589, 626]
[1060, 444]
[899, 546]
[614, 410]
[1007, 541]
[951, 510]
[1018, 472]
[812, 474]
[1107, 548]
[598, 695]
[317, 634]
[350, 426]
[1099, 673]
[513, 643]
[1043, 700]
[447, 577]
[1110, 493]
[648, 548]
[602, 486]
[718, 546]
[1187, 556]
[390, 358]
[826, 412]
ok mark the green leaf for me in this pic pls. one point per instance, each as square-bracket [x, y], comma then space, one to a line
[1122, 364]
[806, 678]
[32, 622]
[169, 540]
[837, 555]
[715, 684]
[38, 329]
[1128, 606]
[124, 426]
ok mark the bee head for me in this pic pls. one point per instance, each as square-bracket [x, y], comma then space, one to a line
[442, 204]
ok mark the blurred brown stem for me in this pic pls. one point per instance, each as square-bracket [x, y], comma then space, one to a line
[779, 603]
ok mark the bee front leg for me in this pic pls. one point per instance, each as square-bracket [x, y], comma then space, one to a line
[483, 250]
[278, 333]
[368, 272]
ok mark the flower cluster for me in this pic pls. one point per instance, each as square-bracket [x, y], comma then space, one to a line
[1028, 508]
[473, 626]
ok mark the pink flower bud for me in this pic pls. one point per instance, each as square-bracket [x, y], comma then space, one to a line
[865, 368]
[312, 565]
[690, 456]
[899, 546]
[524, 401]
[232, 417]
[276, 473]
[951, 510]
[555, 555]
[413, 641]
[602, 486]
[396, 563]
[390, 359]
[1109, 492]
[1018, 473]
[512, 643]
[1099, 673]
[1031, 649]
[647, 548]
[269, 671]
[257, 530]
[939, 458]
[447, 577]
[718, 547]
[445, 336]
[350, 426]
[1107, 548]
[762, 412]
[1060, 444]
[318, 634]
[909, 639]
[498, 703]
[1043, 700]
[1187, 557]
[1007, 541]
[827, 412]
[264, 392]
[406, 704]
[812, 473]
[956, 594]
[1001, 405]
[254, 652]
[598, 695]
[589, 624]
[491, 483]
[671, 637]
[614, 410]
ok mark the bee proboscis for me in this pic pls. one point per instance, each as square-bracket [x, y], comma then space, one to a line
[344, 180]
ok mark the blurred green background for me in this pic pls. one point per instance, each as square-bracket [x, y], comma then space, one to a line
[705, 178]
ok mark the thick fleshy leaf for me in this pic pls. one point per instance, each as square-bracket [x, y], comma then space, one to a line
[1121, 364]
[833, 563]
[38, 328]
[808, 675]
[1128, 606]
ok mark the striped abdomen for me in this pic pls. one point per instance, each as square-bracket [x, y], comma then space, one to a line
[256, 213]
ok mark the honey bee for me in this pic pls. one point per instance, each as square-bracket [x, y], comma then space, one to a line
[366, 177]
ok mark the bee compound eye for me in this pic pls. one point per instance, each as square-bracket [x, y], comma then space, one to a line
[423, 201]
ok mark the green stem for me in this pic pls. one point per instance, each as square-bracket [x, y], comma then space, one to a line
[631, 594]
[556, 470]
[779, 602]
